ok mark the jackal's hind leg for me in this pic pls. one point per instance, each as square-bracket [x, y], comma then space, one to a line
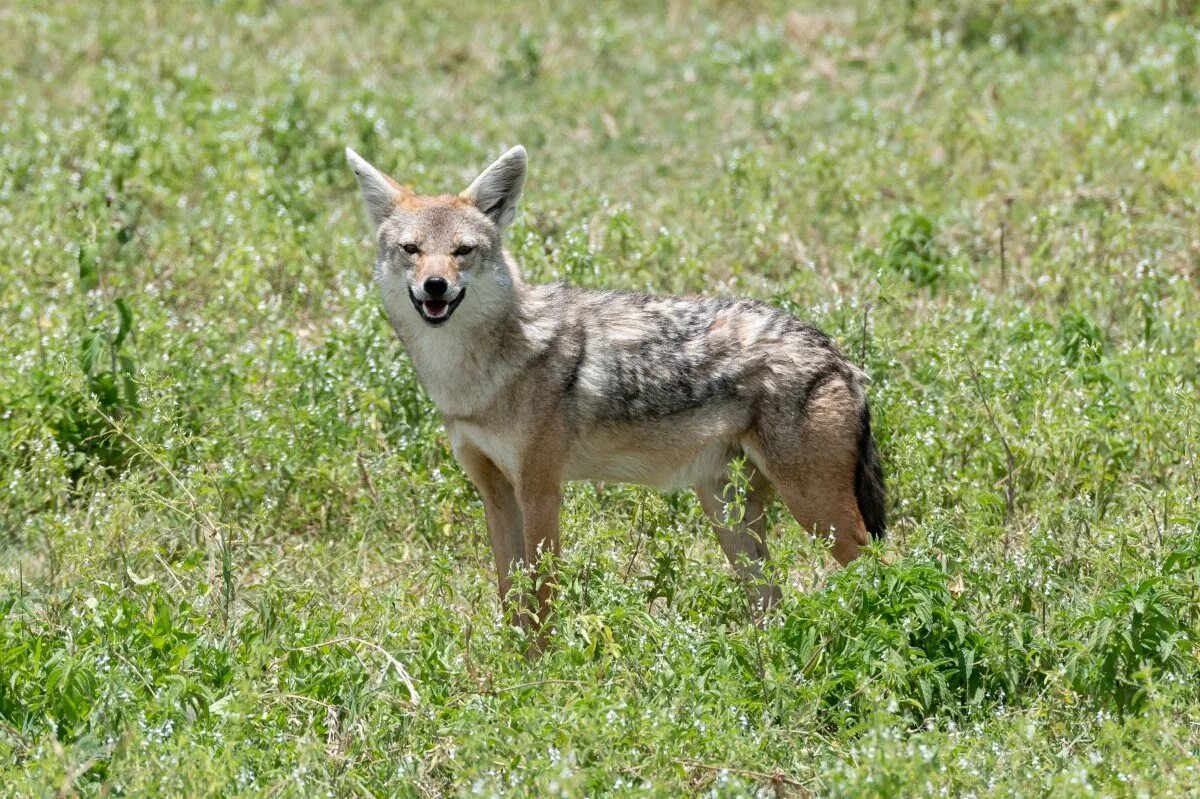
[811, 459]
[744, 538]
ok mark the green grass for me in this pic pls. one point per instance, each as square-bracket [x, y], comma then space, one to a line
[237, 558]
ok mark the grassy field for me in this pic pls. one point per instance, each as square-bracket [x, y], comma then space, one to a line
[238, 559]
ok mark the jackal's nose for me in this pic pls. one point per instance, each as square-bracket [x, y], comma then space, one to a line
[435, 286]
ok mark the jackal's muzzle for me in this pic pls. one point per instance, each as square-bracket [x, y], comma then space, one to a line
[436, 310]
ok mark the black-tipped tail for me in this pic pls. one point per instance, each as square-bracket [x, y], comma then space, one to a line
[868, 480]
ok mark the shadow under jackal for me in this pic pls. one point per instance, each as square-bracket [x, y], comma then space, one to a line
[539, 384]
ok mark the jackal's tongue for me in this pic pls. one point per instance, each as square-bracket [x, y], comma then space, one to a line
[435, 308]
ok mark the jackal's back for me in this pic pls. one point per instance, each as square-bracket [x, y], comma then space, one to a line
[626, 356]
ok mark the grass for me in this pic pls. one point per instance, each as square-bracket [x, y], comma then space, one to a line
[237, 558]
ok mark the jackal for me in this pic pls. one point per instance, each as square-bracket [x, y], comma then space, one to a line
[540, 384]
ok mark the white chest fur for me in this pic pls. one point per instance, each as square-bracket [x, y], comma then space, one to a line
[450, 365]
[501, 445]
[452, 373]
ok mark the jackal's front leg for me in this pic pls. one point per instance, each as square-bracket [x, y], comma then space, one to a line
[503, 515]
[540, 498]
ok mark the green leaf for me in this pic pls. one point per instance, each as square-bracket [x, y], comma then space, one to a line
[126, 321]
[89, 277]
[89, 351]
[129, 385]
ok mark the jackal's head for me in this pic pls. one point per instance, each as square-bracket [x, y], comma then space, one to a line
[442, 256]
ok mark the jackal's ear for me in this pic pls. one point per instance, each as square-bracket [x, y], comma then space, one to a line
[379, 192]
[497, 190]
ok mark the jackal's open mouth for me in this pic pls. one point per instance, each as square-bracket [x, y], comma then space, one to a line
[435, 312]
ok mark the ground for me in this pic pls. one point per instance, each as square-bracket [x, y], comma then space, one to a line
[237, 558]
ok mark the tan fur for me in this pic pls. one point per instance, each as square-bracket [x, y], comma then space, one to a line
[408, 201]
[814, 470]
[435, 265]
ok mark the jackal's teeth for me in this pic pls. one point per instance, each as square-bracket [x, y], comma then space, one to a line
[435, 309]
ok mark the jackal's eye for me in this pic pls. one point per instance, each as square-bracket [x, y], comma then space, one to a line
[464, 249]
[411, 248]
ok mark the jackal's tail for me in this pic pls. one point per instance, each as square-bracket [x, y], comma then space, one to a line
[868, 480]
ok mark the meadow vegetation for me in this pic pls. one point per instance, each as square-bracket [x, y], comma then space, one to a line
[238, 559]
